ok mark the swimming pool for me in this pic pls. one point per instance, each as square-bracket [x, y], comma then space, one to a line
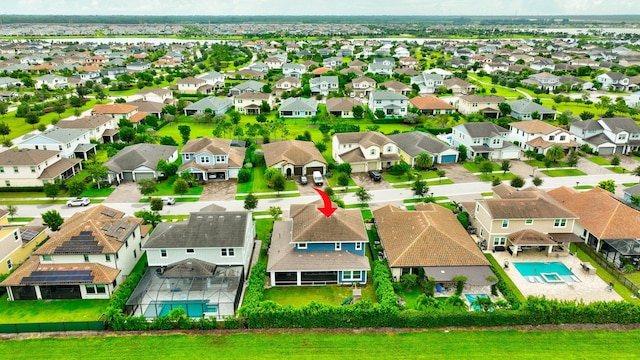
[193, 308]
[548, 272]
[472, 297]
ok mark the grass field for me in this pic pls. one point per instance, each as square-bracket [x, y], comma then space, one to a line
[540, 164]
[617, 169]
[429, 183]
[472, 167]
[599, 160]
[259, 184]
[303, 295]
[490, 344]
[34, 311]
[489, 177]
[563, 172]
[166, 188]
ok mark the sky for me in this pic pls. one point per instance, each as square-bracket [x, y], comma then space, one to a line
[321, 7]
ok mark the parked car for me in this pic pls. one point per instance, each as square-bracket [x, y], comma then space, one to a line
[168, 200]
[375, 175]
[380, 255]
[317, 178]
[303, 180]
[79, 202]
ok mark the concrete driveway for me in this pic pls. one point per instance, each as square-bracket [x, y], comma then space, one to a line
[126, 192]
[219, 190]
[363, 179]
[456, 173]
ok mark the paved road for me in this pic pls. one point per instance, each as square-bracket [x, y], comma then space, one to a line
[461, 192]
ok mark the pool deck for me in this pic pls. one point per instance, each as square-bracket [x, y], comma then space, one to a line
[591, 288]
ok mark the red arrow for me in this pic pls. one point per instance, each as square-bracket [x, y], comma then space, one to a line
[327, 209]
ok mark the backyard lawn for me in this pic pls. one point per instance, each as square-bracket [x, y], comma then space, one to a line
[328, 294]
[454, 344]
[563, 172]
[34, 311]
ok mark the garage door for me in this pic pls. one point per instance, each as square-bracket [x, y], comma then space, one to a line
[144, 175]
[373, 165]
[127, 176]
[358, 167]
[510, 154]
[445, 159]
[311, 169]
[605, 151]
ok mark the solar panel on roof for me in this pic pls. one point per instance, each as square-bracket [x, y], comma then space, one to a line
[28, 234]
[109, 213]
[58, 276]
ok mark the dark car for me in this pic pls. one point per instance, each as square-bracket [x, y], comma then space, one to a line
[303, 180]
[375, 175]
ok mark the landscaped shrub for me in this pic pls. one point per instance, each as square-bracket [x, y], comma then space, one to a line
[506, 291]
[384, 288]
[244, 175]
[463, 217]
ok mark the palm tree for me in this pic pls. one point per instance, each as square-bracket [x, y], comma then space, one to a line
[555, 153]
[456, 302]
[424, 160]
[424, 302]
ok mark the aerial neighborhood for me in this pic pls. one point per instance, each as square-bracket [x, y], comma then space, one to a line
[206, 180]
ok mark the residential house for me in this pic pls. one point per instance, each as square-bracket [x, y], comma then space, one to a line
[389, 102]
[430, 240]
[92, 253]
[543, 80]
[633, 100]
[51, 81]
[30, 167]
[409, 62]
[323, 85]
[401, 53]
[605, 223]
[216, 104]
[9, 83]
[190, 85]
[293, 70]
[246, 74]
[155, 94]
[488, 106]
[381, 68]
[364, 150]
[484, 139]
[251, 86]
[113, 72]
[259, 66]
[205, 258]
[411, 144]
[540, 136]
[608, 136]
[397, 87]
[495, 66]
[333, 62]
[294, 157]
[298, 107]
[139, 161]
[428, 82]
[630, 193]
[524, 109]
[212, 78]
[286, 84]
[540, 64]
[458, 86]
[524, 220]
[71, 143]
[211, 159]
[361, 86]
[115, 111]
[431, 105]
[342, 107]
[138, 66]
[309, 248]
[275, 62]
[613, 81]
[250, 103]
[101, 128]
[17, 243]
[146, 108]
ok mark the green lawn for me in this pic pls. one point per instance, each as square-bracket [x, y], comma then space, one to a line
[583, 187]
[541, 165]
[489, 177]
[617, 169]
[563, 172]
[259, 184]
[366, 215]
[302, 295]
[472, 167]
[599, 160]
[104, 192]
[21, 219]
[33, 311]
[272, 195]
[629, 184]
[333, 181]
[350, 344]
[403, 178]
[488, 193]
[165, 188]
[430, 183]
[170, 218]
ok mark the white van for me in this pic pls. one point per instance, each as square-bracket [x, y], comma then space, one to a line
[317, 178]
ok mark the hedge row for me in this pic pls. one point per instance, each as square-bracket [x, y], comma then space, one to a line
[505, 289]
[22, 189]
[384, 288]
[119, 298]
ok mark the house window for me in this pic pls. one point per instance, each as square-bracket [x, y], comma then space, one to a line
[15, 169]
[560, 223]
[358, 246]
[373, 151]
[499, 241]
[107, 257]
[389, 148]
[33, 169]
[204, 159]
[190, 251]
[126, 243]
[86, 258]
[135, 254]
[505, 223]
[552, 137]
[622, 137]
[91, 289]
[46, 258]
[302, 246]
[220, 158]
[9, 264]
[563, 138]
[163, 253]
[496, 141]
[101, 289]
[338, 246]
[1, 169]
[352, 275]
[528, 222]
[228, 252]
[15, 236]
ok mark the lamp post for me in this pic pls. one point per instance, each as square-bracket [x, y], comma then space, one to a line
[577, 184]
[533, 172]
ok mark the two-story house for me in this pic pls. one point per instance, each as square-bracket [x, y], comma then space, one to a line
[431, 105]
[309, 248]
[51, 81]
[332, 62]
[190, 85]
[115, 111]
[298, 108]
[389, 102]
[17, 243]
[102, 128]
[92, 253]
[293, 70]
[275, 62]
[212, 78]
[540, 136]
[211, 159]
[342, 107]
[361, 86]
[155, 95]
[364, 150]
[250, 103]
[613, 81]
[544, 81]
[484, 139]
[323, 85]
[524, 220]
[524, 109]
[428, 82]
[381, 68]
[198, 264]
[251, 86]
[139, 161]
[488, 106]
[30, 167]
[608, 136]
[71, 143]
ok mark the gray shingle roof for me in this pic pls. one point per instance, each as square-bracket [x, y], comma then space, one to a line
[524, 106]
[19, 157]
[483, 129]
[59, 134]
[621, 124]
[416, 142]
[202, 230]
[387, 95]
[298, 104]
[211, 102]
[137, 155]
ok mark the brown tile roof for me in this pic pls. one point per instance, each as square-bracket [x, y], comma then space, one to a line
[535, 127]
[526, 208]
[430, 102]
[294, 152]
[342, 104]
[482, 99]
[113, 108]
[365, 139]
[19, 157]
[395, 85]
[429, 236]
[600, 213]
[190, 81]
[213, 146]
[310, 225]
[101, 274]
[320, 71]
[541, 143]
[58, 168]
[531, 237]
[137, 117]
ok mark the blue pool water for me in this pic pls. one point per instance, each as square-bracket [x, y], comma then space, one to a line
[194, 308]
[472, 297]
[536, 268]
